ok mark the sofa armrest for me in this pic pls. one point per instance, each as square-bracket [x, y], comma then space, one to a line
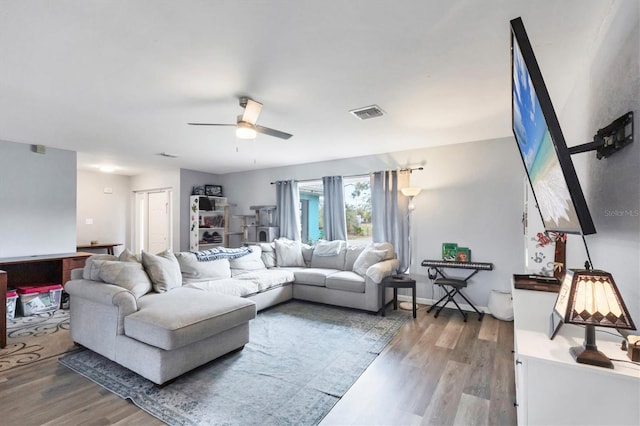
[380, 270]
[104, 294]
[76, 274]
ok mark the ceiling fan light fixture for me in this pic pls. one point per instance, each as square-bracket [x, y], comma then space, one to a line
[245, 130]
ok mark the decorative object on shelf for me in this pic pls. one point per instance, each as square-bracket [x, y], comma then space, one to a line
[198, 190]
[590, 297]
[213, 190]
[463, 254]
[206, 204]
[449, 251]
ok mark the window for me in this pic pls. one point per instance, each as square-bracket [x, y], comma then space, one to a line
[357, 199]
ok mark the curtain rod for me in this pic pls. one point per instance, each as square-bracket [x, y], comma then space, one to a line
[356, 176]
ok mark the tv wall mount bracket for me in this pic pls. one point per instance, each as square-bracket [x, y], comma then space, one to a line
[609, 139]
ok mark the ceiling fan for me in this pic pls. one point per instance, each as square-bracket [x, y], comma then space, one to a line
[246, 127]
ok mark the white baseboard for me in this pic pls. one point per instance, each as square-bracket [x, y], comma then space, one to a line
[423, 301]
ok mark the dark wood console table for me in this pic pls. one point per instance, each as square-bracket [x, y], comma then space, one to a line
[453, 286]
[34, 270]
[107, 246]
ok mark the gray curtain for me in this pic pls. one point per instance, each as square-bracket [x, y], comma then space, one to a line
[335, 222]
[390, 212]
[288, 203]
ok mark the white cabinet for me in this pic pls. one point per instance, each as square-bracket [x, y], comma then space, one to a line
[551, 388]
[208, 224]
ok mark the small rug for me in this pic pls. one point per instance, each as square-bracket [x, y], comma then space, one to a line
[36, 337]
[301, 360]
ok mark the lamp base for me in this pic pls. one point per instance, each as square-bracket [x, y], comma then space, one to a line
[590, 356]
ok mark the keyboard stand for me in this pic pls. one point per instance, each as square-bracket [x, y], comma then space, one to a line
[454, 286]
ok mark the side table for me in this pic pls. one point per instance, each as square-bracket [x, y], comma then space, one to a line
[396, 282]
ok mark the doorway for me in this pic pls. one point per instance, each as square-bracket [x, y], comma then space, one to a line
[152, 225]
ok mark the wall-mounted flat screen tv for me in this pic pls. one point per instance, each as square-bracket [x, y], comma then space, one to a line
[542, 146]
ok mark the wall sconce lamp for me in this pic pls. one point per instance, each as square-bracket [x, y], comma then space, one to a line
[591, 298]
[411, 192]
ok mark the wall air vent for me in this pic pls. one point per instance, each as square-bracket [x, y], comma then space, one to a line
[366, 113]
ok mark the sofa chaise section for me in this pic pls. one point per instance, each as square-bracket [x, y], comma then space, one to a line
[159, 335]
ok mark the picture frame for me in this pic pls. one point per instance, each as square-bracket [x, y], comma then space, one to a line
[198, 190]
[213, 190]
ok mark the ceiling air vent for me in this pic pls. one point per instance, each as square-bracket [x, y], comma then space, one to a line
[366, 113]
[164, 154]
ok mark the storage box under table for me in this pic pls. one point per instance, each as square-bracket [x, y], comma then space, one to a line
[39, 299]
[11, 304]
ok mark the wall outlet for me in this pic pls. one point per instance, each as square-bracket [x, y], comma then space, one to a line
[88, 221]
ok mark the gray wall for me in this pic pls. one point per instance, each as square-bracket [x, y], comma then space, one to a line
[472, 195]
[189, 179]
[37, 201]
[608, 88]
[110, 212]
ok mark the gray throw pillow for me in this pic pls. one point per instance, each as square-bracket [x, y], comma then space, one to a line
[163, 269]
[129, 275]
[128, 256]
[91, 271]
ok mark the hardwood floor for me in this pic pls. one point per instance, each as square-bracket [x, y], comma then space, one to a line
[438, 371]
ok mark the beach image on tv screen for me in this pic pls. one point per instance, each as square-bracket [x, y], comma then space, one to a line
[538, 153]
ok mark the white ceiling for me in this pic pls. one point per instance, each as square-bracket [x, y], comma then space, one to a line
[118, 80]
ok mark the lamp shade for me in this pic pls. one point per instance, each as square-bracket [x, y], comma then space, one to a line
[410, 191]
[591, 297]
[245, 130]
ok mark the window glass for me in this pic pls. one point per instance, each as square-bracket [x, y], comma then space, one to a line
[357, 199]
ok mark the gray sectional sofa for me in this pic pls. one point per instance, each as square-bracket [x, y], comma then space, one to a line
[162, 315]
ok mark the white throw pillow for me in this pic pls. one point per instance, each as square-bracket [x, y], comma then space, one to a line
[368, 257]
[328, 248]
[250, 262]
[268, 254]
[163, 269]
[91, 271]
[288, 252]
[129, 275]
[193, 270]
[388, 247]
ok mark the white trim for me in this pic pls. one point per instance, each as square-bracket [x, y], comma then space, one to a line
[423, 301]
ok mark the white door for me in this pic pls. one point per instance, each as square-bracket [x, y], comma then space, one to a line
[152, 231]
[159, 222]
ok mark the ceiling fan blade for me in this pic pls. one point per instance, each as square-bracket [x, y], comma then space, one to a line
[251, 111]
[272, 132]
[210, 124]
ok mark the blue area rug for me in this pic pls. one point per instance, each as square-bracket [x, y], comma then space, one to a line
[301, 360]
